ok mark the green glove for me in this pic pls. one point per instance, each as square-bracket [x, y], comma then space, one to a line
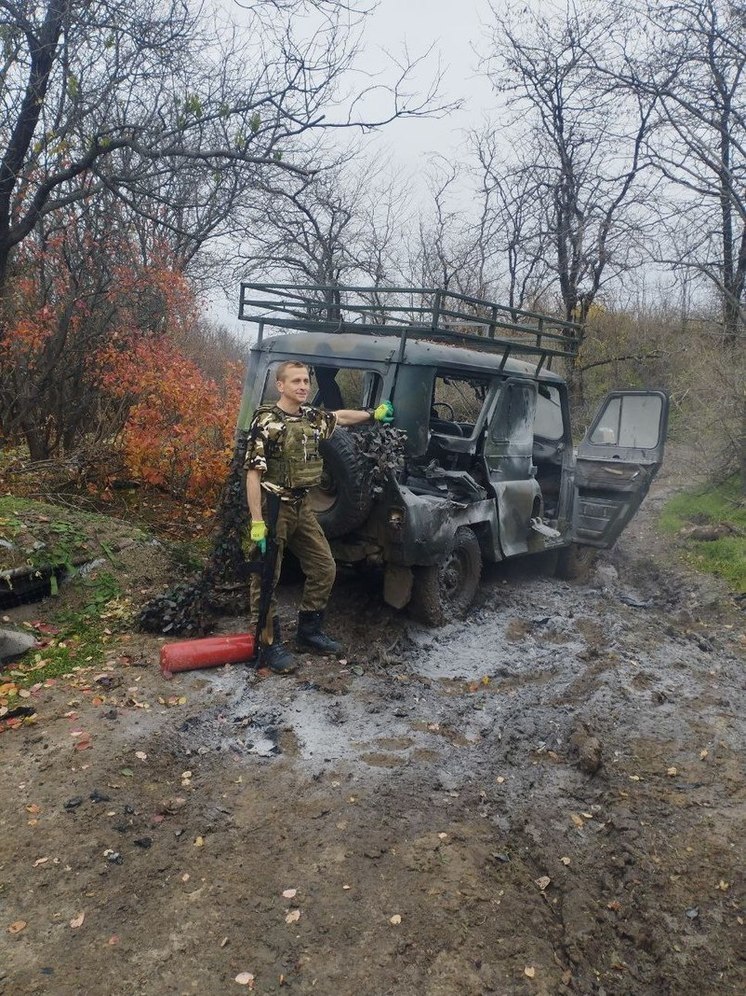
[384, 413]
[259, 535]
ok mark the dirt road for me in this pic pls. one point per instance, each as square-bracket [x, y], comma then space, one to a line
[547, 798]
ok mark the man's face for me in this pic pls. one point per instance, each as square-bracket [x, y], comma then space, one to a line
[295, 386]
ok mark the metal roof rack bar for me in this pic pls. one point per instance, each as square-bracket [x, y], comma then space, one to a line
[432, 314]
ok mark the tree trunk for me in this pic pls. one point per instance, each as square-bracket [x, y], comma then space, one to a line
[742, 446]
[37, 443]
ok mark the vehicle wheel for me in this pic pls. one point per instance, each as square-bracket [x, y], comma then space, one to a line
[446, 591]
[575, 562]
[343, 499]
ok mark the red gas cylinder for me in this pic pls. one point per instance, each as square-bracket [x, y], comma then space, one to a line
[212, 651]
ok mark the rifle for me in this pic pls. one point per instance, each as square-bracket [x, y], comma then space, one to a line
[264, 628]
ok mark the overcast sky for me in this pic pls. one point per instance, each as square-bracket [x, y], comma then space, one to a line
[453, 28]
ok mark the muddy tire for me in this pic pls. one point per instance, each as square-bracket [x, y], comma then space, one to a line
[343, 500]
[575, 562]
[445, 591]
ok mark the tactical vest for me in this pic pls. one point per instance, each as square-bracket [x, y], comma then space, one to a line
[295, 461]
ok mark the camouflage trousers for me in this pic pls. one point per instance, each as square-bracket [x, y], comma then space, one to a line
[298, 530]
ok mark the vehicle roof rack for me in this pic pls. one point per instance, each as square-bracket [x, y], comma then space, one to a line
[410, 313]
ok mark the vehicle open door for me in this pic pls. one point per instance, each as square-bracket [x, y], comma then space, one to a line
[616, 462]
[508, 453]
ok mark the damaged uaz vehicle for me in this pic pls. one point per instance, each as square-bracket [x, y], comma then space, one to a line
[482, 465]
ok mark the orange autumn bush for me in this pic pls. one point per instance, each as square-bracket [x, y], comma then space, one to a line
[96, 360]
[179, 433]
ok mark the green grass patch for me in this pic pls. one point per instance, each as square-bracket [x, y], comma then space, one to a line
[723, 505]
[38, 534]
[76, 637]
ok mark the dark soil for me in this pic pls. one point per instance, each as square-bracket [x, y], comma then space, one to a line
[546, 798]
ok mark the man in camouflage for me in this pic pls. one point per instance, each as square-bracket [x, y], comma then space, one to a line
[282, 465]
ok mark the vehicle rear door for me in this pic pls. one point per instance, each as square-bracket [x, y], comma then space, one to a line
[616, 463]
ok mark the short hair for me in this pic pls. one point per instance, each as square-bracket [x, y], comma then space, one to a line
[285, 366]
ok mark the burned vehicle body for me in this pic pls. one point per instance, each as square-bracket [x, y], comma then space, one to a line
[489, 470]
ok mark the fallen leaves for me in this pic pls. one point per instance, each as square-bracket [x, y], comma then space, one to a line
[245, 979]
[289, 893]
[172, 701]
[475, 686]
[17, 926]
[395, 919]
[141, 755]
[77, 920]
[543, 882]
[292, 916]
[529, 971]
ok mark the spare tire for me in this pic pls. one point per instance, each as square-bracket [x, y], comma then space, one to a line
[344, 498]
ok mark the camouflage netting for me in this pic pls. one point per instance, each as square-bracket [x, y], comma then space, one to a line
[383, 447]
[190, 609]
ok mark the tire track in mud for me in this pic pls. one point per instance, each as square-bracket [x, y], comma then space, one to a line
[642, 674]
[483, 720]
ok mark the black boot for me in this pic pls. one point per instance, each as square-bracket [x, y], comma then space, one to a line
[275, 656]
[310, 635]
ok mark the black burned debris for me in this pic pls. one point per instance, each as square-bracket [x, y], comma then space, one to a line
[383, 448]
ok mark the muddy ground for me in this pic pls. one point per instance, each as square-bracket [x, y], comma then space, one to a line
[546, 798]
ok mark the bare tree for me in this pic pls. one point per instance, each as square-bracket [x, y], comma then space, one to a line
[580, 137]
[692, 63]
[688, 60]
[340, 226]
[514, 244]
[446, 252]
[122, 95]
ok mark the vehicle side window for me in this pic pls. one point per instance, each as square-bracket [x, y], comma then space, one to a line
[548, 422]
[457, 403]
[632, 420]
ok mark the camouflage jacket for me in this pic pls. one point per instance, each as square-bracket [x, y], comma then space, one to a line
[285, 448]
